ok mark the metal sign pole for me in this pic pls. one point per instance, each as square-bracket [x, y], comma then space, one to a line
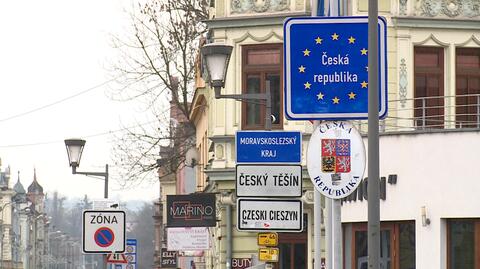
[373, 143]
[335, 205]
[317, 200]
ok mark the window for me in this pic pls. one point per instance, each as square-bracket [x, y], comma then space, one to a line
[293, 249]
[262, 64]
[397, 245]
[463, 244]
[429, 89]
[467, 100]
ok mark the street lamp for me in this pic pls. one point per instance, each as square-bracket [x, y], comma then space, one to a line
[217, 57]
[74, 150]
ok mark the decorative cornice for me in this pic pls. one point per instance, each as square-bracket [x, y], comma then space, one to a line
[222, 138]
[436, 23]
[253, 6]
[215, 174]
[259, 39]
[434, 39]
[472, 38]
[251, 21]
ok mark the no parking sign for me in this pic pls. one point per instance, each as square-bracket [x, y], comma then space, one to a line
[103, 231]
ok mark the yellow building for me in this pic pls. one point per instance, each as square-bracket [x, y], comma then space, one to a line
[432, 46]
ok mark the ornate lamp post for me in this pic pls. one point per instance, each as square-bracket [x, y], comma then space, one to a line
[74, 151]
[217, 57]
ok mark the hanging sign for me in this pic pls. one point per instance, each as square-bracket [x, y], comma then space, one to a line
[336, 159]
[194, 238]
[168, 259]
[193, 210]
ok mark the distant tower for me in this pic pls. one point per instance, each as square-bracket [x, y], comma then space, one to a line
[20, 195]
[35, 193]
[19, 224]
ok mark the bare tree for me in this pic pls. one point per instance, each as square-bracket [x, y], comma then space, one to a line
[157, 68]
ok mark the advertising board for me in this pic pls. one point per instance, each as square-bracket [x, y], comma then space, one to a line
[193, 210]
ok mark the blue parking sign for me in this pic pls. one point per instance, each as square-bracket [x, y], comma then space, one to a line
[326, 68]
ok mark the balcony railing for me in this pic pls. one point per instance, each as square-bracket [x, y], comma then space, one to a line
[430, 113]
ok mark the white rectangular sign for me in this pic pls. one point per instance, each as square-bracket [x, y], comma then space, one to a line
[106, 204]
[269, 180]
[269, 215]
[103, 231]
[188, 238]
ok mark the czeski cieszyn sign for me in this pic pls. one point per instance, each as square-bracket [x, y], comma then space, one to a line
[336, 159]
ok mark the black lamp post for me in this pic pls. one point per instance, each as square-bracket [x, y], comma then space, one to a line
[74, 151]
[217, 57]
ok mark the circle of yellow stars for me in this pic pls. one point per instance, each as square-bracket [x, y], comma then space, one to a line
[320, 95]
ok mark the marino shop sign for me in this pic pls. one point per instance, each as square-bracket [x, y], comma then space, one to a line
[193, 210]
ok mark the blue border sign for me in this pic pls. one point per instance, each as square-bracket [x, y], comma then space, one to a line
[326, 68]
[269, 146]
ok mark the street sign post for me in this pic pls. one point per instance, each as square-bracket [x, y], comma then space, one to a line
[131, 253]
[188, 238]
[336, 159]
[326, 68]
[269, 180]
[268, 254]
[116, 258]
[269, 215]
[269, 146]
[267, 239]
[106, 204]
[103, 231]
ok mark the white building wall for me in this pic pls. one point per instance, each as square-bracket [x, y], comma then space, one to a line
[437, 170]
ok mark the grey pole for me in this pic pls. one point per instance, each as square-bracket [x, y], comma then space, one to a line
[228, 255]
[268, 107]
[317, 199]
[105, 264]
[373, 143]
[337, 233]
[106, 182]
[335, 205]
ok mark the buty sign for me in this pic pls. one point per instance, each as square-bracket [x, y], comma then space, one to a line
[194, 210]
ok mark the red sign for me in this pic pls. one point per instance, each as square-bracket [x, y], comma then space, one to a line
[104, 237]
[116, 258]
[336, 155]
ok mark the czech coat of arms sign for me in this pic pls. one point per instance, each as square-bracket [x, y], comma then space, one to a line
[336, 159]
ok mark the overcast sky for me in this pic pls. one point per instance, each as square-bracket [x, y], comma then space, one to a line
[51, 50]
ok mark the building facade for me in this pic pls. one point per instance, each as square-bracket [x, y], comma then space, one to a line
[427, 145]
[428, 190]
